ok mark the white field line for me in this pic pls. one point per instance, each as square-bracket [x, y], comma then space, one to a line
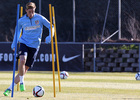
[102, 77]
[49, 76]
[84, 77]
[76, 77]
[80, 84]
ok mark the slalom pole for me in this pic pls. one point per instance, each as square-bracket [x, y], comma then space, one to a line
[21, 11]
[53, 68]
[14, 67]
[21, 14]
[56, 47]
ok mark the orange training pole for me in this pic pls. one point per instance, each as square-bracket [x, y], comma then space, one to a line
[52, 50]
[56, 47]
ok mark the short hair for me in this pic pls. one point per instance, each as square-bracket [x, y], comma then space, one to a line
[30, 5]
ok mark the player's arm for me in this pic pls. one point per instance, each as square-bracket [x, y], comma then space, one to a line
[46, 23]
[18, 35]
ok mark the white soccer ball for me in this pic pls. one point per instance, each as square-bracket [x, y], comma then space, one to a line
[137, 76]
[38, 91]
[64, 75]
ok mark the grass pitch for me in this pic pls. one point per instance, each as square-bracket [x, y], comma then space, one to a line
[78, 86]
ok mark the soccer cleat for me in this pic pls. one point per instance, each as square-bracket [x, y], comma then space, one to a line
[22, 87]
[7, 92]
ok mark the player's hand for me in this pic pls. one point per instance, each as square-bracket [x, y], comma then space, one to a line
[47, 39]
[13, 49]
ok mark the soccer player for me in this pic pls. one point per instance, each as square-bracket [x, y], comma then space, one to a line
[31, 25]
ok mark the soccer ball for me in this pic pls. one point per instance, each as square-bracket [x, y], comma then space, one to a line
[64, 75]
[137, 76]
[38, 91]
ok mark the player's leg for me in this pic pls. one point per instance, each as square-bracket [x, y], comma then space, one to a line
[21, 69]
[17, 79]
[26, 63]
[32, 52]
[23, 52]
[21, 79]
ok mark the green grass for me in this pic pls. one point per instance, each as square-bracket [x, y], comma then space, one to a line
[78, 86]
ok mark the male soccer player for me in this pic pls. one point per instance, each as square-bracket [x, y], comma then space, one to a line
[31, 25]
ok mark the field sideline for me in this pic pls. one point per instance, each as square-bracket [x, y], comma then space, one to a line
[78, 86]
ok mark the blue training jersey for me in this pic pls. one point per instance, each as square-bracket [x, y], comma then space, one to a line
[31, 30]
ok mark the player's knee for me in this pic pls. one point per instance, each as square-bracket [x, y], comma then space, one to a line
[23, 61]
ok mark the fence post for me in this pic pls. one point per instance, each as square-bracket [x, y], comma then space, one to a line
[94, 67]
[83, 55]
[139, 57]
[119, 18]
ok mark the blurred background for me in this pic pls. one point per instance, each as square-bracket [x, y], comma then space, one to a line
[89, 19]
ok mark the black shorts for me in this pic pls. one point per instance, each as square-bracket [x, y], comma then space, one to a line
[31, 54]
